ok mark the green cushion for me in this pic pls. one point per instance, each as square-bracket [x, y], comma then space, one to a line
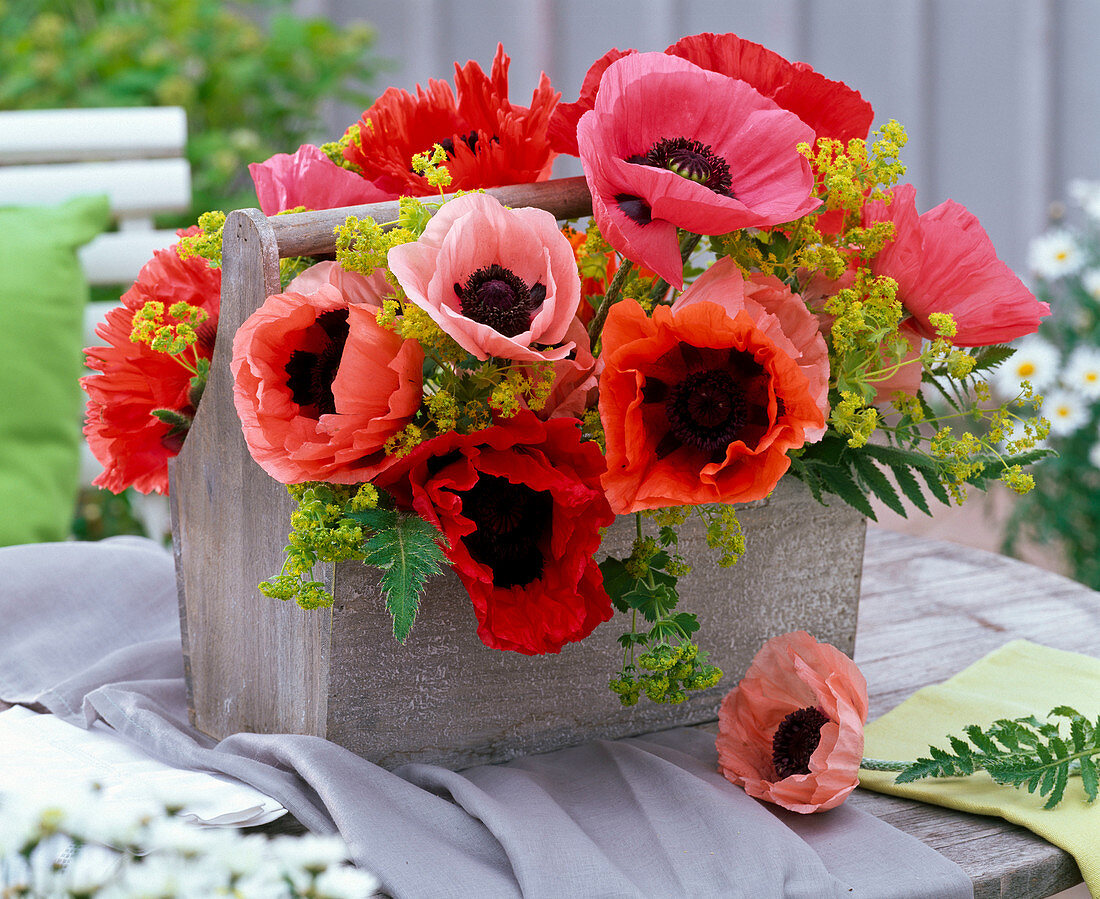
[43, 293]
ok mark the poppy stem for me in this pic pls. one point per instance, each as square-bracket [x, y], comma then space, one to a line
[883, 765]
[613, 295]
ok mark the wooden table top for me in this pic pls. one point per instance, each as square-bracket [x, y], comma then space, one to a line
[927, 610]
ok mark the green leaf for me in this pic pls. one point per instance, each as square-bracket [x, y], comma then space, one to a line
[992, 356]
[878, 483]
[617, 582]
[839, 481]
[979, 739]
[656, 601]
[1089, 778]
[408, 553]
[909, 485]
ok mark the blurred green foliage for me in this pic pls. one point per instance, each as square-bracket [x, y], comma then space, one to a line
[253, 78]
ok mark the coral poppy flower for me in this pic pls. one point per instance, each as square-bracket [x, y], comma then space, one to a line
[310, 179]
[701, 402]
[300, 362]
[355, 287]
[791, 732]
[489, 141]
[501, 282]
[128, 440]
[521, 506]
[670, 145]
[944, 261]
[830, 108]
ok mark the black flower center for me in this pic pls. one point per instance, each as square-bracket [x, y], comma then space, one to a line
[511, 521]
[706, 410]
[689, 159]
[795, 740]
[498, 297]
[448, 143]
[310, 373]
[635, 208]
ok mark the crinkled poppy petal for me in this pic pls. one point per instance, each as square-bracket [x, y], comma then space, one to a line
[309, 178]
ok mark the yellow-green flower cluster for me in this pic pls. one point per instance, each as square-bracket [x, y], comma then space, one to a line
[362, 244]
[430, 164]
[668, 672]
[172, 337]
[854, 419]
[334, 150]
[321, 531]
[207, 244]
[724, 533]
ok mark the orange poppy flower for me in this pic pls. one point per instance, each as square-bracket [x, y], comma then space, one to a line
[489, 141]
[701, 402]
[791, 732]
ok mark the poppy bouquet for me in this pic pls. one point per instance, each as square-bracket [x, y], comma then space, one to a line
[478, 386]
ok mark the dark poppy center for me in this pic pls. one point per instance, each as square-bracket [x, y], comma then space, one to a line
[310, 373]
[795, 740]
[706, 410]
[511, 521]
[498, 297]
[690, 159]
[448, 143]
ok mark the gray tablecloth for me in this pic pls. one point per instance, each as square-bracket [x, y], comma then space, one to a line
[91, 631]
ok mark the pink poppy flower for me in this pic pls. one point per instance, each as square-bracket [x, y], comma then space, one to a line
[356, 288]
[791, 732]
[299, 365]
[576, 378]
[309, 178]
[831, 108]
[944, 261]
[670, 145]
[501, 282]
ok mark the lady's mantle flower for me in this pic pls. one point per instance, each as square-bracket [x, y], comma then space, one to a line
[1082, 372]
[1065, 410]
[299, 364]
[701, 402]
[489, 141]
[1055, 254]
[1035, 361]
[521, 506]
[132, 444]
[670, 145]
[501, 282]
[830, 108]
[944, 261]
[791, 732]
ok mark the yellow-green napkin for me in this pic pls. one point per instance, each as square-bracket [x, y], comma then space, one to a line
[1019, 679]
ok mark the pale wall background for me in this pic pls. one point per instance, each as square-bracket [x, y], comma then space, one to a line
[1001, 98]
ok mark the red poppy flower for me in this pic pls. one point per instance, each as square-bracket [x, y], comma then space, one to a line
[944, 261]
[670, 145]
[299, 364]
[521, 506]
[489, 141]
[830, 108]
[501, 282]
[128, 440]
[701, 402]
[310, 179]
[791, 732]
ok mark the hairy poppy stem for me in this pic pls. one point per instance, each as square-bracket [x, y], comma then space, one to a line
[883, 765]
[613, 295]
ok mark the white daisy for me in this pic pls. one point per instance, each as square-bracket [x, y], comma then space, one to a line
[1082, 372]
[1065, 411]
[1090, 280]
[1094, 455]
[1055, 255]
[1036, 361]
[1087, 195]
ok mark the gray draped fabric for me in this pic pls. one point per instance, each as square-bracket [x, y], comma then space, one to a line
[90, 631]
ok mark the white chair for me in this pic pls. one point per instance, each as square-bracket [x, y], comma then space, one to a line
[136, 157]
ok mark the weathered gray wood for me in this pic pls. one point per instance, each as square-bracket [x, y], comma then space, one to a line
[311, 233]
[928, 610]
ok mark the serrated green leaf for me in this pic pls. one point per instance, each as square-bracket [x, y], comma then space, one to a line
[935, 382]
[408, 553]
[617, 582]
[656, 601]
[687, 622]
[839, 481]
[1059, 786]
[978, 738]
[1047, 782]
[1059, 747]
[909, 486]
[878, 483]
[1089, 778]
[935, 485]
[992, 356]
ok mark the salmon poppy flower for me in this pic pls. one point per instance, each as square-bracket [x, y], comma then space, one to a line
[299, 365]
[701, 402]
[521, 506]
[791, 732]
[670, 145]
[310, 179]
[501, 282]
[944, 261]
[830, 108]
[489, 141]
[358, 289]
[132, 444]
